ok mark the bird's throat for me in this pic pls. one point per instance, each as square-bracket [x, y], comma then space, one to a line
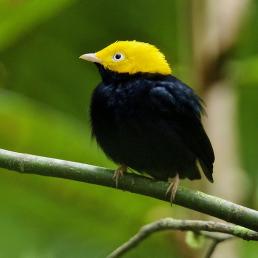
[109, 76]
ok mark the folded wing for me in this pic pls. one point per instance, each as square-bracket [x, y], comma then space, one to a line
[176, 101]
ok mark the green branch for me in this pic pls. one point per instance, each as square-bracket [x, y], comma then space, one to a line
[194, 200]
[198, 226]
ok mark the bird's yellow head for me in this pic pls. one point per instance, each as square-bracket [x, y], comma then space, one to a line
[130, 57]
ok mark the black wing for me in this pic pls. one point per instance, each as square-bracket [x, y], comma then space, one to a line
[175, 100]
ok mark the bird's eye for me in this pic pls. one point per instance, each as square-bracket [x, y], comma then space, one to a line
[118, 57]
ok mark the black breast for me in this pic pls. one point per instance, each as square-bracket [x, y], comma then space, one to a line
[151, 124]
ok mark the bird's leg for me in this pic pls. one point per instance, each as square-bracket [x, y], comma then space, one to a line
[119, 172]
[172, 188]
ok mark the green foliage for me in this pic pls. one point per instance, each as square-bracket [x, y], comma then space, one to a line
[194, 240]
[18, 18]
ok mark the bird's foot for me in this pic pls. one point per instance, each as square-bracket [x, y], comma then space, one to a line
[172, 188]
[119, 173]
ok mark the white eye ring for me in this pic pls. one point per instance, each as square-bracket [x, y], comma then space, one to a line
[118, 57]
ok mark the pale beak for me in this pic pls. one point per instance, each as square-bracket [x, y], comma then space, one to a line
[90, 57]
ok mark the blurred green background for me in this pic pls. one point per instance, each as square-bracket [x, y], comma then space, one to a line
[44, 101]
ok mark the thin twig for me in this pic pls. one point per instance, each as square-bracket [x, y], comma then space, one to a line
[220, 237]
[216, 238]
[212, 248]
[194, 200]
[186, 225]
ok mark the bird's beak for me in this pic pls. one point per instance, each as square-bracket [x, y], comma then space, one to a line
[90, 57]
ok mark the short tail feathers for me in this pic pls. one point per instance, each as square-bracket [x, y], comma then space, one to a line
[207, 170]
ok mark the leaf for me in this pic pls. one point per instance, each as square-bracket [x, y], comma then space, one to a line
[18, 17]
[194, 240]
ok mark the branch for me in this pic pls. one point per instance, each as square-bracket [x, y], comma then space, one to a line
[195, 200]
[186, 225]
[216, 238]
[213, 246]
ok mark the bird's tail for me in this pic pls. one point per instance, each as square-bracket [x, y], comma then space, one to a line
[207, 170]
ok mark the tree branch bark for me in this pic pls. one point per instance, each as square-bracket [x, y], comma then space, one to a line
[195, 200]
[186, 225]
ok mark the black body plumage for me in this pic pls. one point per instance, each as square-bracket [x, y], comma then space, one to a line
[151, 123]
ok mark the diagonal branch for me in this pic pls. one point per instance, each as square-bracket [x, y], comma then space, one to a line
[216, 238]
[195, 200]
[213, 246]
[186, 225]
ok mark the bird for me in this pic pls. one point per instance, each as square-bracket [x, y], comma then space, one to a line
[145, 118]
